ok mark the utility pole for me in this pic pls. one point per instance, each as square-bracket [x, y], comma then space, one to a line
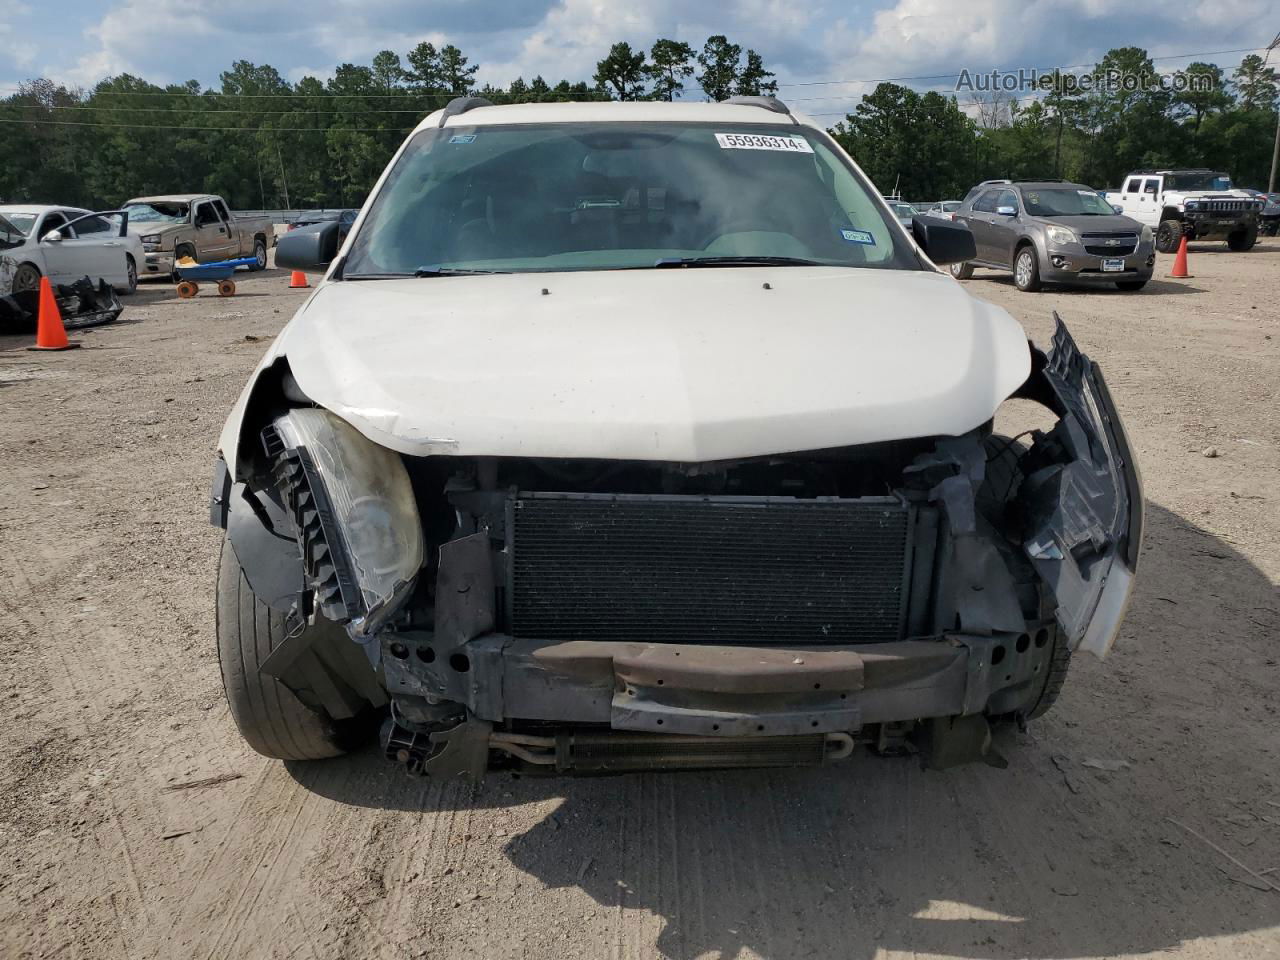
[283, 179]
[1275, 151]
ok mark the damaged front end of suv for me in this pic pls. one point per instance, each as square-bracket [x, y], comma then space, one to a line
[613, 511]
[597, 615]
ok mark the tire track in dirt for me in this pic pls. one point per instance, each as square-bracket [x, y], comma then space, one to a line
[42, 622]
[289, 841]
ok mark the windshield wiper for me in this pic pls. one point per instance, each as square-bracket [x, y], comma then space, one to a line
[435, 270]
[670, 263]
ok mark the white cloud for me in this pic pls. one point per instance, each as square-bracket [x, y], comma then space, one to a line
[820, 40]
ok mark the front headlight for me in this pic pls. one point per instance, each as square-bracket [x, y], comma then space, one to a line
[1145, 235]
[362, 499]
[150, 238]
[1193, 204]
[1061, 235]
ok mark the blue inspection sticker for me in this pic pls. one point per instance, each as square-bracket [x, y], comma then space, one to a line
[859, 236]
[463, 138]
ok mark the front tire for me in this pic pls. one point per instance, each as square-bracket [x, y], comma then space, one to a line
[961, 271]
[1243, 240]
[131, 275]
[26, 278]
[259, 255]
[271, 719]
[1026, 270]
[1168, 236]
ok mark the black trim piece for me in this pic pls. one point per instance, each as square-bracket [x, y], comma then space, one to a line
[219, 494]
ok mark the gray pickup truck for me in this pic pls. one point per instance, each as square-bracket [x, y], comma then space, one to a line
[195, 225]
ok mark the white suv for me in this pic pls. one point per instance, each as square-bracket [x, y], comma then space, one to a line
[641, 435]
[1198, 203]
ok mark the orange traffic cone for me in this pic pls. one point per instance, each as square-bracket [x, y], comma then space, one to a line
[299, 279]
[1180, 261]
[50, 333]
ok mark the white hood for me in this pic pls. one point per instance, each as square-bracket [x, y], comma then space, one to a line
[677, 365]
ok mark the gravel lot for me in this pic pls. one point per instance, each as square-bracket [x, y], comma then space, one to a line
[134, 822]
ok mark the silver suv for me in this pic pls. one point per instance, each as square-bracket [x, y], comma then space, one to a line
[1054, 231]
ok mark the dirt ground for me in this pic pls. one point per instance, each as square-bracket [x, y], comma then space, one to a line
[135, 823]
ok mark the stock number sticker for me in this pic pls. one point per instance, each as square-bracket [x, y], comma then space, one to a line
[859, 236]
[757, 141]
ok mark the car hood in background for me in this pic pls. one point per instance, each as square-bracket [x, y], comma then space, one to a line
[148, 227]
[1095, 224]
[676, 365]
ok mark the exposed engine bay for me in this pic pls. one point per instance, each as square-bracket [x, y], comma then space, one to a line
[562, 615]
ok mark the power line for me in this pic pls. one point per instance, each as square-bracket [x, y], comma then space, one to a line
[246, 111]
[208, 94]
[157, 126]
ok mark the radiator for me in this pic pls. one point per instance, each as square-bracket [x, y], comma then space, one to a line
[684, 569]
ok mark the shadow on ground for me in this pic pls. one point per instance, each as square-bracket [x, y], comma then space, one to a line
[1047, 858]
[1154, 287]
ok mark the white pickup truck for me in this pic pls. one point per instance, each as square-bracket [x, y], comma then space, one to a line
[1198, 203]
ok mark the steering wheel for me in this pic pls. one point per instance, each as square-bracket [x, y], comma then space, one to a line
[741, 225]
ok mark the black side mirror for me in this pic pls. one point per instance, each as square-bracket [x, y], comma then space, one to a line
[308, 248]
[944, 241]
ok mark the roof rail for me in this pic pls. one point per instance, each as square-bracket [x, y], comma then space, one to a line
[461, 105]
[987, 183]
[765, 103]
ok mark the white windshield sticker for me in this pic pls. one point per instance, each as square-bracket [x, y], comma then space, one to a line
[757, 141]
[859, 236]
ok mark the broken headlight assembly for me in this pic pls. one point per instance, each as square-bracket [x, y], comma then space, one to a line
[355, 515]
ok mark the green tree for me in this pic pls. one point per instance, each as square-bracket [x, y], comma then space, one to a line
[1255, 83]
[424, 70]
[671, 63]
[622, 71]
[455, 75]
[1205, 93]
[719, 62]
[921, 142]
[753, 78]
[388, 73]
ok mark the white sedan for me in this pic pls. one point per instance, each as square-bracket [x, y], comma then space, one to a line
[65, 244]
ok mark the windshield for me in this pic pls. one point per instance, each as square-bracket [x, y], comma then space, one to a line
[1066, 202]
[1197, 181]
[158, 211]
[13, 233]
[599, 196]
[22, 222]
[903, 210]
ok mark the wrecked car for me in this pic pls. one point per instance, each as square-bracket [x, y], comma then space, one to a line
[628, 436]
[64, 244]
[81, 303]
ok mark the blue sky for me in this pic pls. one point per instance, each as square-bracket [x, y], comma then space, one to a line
[807, 42]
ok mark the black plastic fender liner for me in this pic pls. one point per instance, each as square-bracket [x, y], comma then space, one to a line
[265, 542]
